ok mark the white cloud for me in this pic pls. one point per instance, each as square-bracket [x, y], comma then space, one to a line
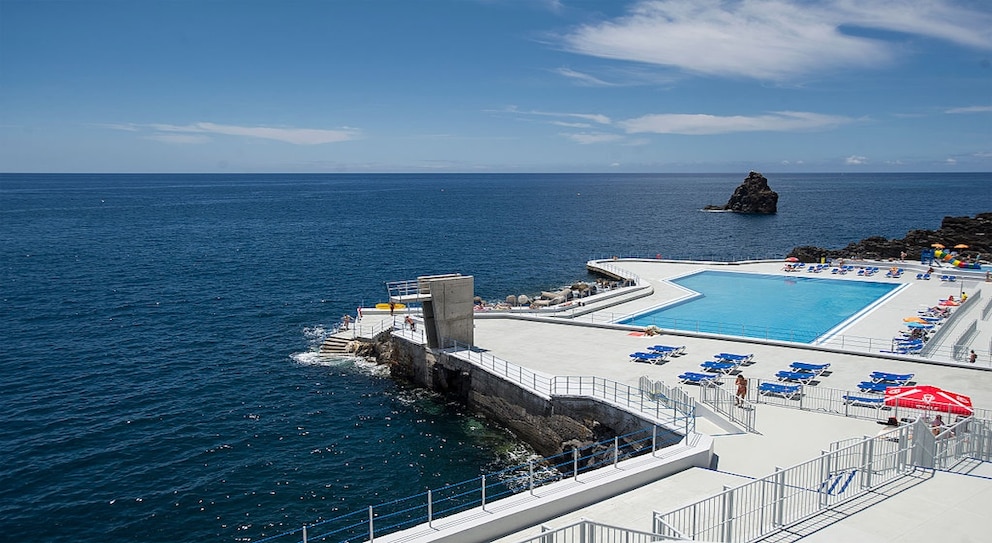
[194, 133]
[571, 125]
[296, 136]
[179, 138]
[591, 117]
[586, 138]
[951, 161]
[703, 124]
[970, 109]
[583, 78]
[856, 160]
[773, 39]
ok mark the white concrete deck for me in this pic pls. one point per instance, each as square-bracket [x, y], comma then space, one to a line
[945, 507]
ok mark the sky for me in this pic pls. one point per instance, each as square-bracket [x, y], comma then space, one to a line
[661, 86]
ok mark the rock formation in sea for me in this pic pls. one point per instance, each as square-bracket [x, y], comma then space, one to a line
[752, 196]
[975, 233]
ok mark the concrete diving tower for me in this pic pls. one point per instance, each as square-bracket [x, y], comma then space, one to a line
[447, 302]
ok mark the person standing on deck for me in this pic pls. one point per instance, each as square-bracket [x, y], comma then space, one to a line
[741, 396]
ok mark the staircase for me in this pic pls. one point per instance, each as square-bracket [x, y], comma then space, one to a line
[334, 346]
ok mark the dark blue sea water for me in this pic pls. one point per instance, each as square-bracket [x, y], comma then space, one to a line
[156, 377]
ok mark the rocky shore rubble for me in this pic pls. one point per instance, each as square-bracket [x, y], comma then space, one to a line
[974, 232]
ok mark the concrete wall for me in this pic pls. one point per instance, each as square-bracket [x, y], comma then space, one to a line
[449, 312]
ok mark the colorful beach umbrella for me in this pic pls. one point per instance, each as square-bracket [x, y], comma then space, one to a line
[960, 246]
[930, 398]
[915, 319]
[792, 259]
[936, 245]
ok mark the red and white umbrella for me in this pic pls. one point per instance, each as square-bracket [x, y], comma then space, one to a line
[930, 398]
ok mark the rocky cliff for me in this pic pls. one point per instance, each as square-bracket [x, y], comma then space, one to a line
[752, 196]
[975, 232]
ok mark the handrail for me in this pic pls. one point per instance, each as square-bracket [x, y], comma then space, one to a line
[766, 505]
[479, 492]
[619, 394]
[832, 401]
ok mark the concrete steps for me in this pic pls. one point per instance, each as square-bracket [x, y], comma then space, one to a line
[333, 346]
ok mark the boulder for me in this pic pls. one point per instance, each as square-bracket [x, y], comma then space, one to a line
[752, 196]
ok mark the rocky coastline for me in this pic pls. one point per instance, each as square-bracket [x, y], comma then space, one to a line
[973, 232]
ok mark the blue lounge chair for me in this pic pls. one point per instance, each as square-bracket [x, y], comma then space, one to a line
[731, 357]
[891, 378]
[904, 350]
[691, 377]
[789, 392]
[812, 368]
[651, 358]
[720, 367]
[871, 386]
[864, 401]
[803, 377]
[669, 349]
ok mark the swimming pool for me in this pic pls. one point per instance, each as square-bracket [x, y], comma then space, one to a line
[789, 308]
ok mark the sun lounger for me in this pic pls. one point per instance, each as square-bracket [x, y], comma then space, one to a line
[731, 357]
[789, 392]
[803, 377]
[812, 368]
[864, 401]
[691, 377]
[871, 386]
[651, 358]
[720, 367]
[671, 350]
[891, 378]
[904, 350]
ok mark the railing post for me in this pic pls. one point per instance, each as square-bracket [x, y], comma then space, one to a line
[575, 463]
[430, 508]
[825, 477]
[779, 508]
[304, 533]
[483, 492]
[371, 526]
[654, 439]
[530, 466]
[616, 450]
[728, 513]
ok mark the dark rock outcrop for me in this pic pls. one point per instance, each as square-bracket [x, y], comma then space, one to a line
[975, 232]
[752, 196]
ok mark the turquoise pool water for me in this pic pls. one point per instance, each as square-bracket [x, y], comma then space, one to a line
[789, 307]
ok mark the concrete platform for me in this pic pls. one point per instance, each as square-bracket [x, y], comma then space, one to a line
[942, 507]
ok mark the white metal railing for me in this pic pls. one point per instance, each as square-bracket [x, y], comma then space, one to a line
[768, 504]
[832, 401]
[672, 412]
[587, 531]
[725, 402]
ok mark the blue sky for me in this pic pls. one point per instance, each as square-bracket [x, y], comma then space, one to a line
[495, 86]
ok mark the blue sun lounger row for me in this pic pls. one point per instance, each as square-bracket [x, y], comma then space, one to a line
[865, 401]
[871, 386]
[668, 349]
[789, 392]
[691, 377]
[803, 377]
[731, 357]
[717, 366]
[651, 358]
[818, 369]
[899, 379]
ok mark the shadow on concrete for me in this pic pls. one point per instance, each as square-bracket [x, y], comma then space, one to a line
[847, 509]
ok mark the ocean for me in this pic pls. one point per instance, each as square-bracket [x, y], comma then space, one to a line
[159, 378]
